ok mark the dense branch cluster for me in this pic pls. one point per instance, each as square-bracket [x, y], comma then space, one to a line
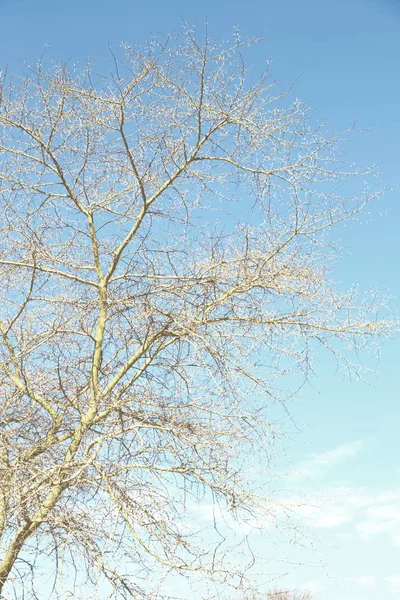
[163, 247]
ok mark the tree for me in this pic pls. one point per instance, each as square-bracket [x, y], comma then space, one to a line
[278, 594]
[284, 595]
[164, 262]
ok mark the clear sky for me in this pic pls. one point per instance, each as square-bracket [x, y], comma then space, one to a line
[345, 58]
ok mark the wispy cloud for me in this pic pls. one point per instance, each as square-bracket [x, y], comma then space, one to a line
[320, 464]
[394, 581]
[382, 517]
[365, 580]
[364, 513]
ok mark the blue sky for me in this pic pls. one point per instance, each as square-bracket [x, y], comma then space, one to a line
[344, 58]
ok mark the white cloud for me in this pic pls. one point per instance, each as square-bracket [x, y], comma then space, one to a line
[367, 529]
[358, 513]
[319, 464]
[329, 521]
[384, 512]
[394, 581]
[315, 586]
[346, 536]
[331, 509]
[365, 580]
[380, 519]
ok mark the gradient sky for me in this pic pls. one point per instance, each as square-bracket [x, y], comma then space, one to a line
[344, 56]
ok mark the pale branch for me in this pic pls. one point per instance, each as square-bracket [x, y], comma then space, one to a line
[164, 265]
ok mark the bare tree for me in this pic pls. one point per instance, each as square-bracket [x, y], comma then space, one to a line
[165, 234]
[279, 594]
[285, 595]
